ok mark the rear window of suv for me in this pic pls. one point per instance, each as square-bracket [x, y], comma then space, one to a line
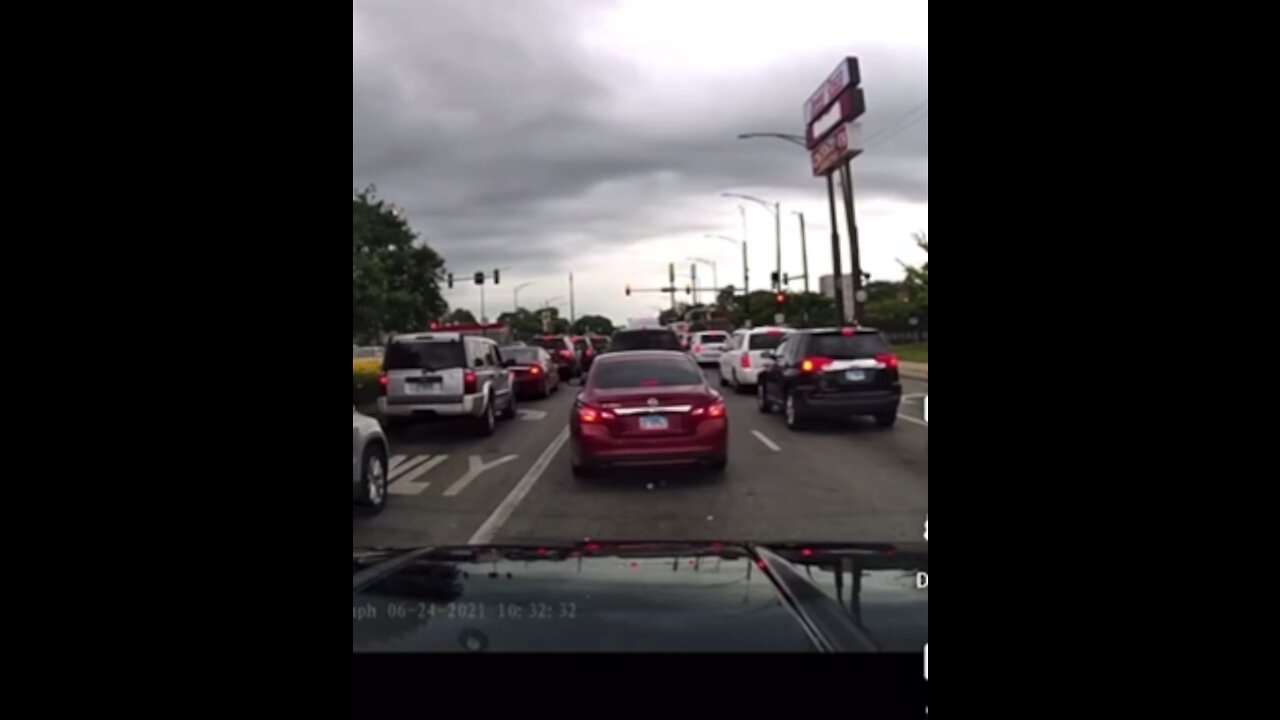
[675, 372]
[713, 338]
[767, 341]
[862, 345]
[645, 340]
[425, 355]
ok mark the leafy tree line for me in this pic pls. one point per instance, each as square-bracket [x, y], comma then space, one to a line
[395, 283]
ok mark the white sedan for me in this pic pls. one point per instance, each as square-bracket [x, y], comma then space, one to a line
[743, 357]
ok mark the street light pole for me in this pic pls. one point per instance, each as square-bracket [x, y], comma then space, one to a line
[715, 272]
[746, 272]
[776, 209]
[572, 306]
[804, 250]
[515, 296]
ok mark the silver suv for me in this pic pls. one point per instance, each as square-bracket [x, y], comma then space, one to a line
[450, 375]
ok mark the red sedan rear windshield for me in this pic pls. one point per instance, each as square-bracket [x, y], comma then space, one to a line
[676, 372]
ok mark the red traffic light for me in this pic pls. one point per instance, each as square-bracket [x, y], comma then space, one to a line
[782, 298]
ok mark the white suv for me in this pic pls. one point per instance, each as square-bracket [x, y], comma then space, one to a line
[705, 347]
[445, 375]
[743, 358]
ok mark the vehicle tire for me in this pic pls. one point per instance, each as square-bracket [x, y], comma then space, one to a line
[887, 419]
[509, 412]
[488, 421]
[738, 387]
[580, 470]
[762, 399]
[373, 479]
[795, 420]
[546, 389]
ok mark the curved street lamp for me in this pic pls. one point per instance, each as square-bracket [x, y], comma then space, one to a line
[776, 210]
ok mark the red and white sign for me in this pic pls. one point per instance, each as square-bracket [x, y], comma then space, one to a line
[849, 74]
[839, 147]
[850, 106]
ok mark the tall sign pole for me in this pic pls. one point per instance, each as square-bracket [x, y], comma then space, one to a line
[838, 275]
[832, 136]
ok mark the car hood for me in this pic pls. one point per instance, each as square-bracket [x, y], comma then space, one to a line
[640, 597]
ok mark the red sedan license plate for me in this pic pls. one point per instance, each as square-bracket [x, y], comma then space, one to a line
[653, 422]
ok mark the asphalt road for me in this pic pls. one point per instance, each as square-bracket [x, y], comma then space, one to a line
[846, 481]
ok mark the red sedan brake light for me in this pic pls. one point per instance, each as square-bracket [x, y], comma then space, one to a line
[714, 411]
[535, 371]
[591, 415]
[890, 361]
[815, 364]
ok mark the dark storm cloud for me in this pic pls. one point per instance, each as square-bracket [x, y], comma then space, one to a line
[500, 134]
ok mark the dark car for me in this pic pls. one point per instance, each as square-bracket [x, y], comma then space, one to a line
[642, 597]
[562, 351]
[651, 408]
[835, 374]
[644, 339]
[533, 372]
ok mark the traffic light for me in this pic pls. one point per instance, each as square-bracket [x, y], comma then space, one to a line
[628, 291]
[688, 289]
[775, 279]
[786, 279]
[450, 281]
[497, 277]
[782, 299]
[479, 278]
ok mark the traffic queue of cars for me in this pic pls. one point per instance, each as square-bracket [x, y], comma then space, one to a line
[644, 400]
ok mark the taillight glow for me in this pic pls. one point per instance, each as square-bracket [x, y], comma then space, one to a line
[697, 349]
[469, 383]
[815, 364]
[746, 361]
[536, 371]
[713, 411]
[566, 354]
[849, 332]
[592, 415]
[383, 382]
[807, 552]
[890, 361]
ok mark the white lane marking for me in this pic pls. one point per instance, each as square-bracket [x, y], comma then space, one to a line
[767, 442]
[532, 415]
[914, 398]
[477, 468]
[406, 467]
[395, 460]
[503, 512]
[917, 421]
[406, 485]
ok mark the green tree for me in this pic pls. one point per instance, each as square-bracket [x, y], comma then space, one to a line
[593, 324]
[461, 317]
[395, 282]
[917, 283]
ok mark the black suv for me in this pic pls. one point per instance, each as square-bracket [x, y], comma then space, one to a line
[834, 374]
[644, 339]
[562, 352]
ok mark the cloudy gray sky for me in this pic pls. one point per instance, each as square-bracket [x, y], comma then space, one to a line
[595, 136]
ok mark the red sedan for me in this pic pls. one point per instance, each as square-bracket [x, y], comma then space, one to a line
[533, 372]
[650, 408]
